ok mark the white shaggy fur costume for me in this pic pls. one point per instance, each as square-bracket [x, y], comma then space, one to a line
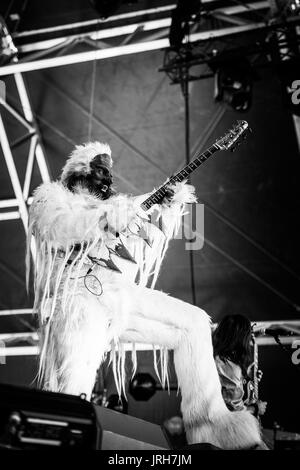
[86, 308]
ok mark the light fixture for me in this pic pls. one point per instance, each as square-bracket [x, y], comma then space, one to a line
[284, 8]
[295, 7]
[233, 84]
[142, 386]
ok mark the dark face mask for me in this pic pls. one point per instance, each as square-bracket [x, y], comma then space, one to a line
[98, 181]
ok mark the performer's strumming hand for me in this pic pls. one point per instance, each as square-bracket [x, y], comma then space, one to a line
[169, 194]
[179, 193]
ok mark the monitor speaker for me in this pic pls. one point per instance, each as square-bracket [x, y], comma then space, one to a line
[118, 431]
[31, 419]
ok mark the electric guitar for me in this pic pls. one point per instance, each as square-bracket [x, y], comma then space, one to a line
[229, 141]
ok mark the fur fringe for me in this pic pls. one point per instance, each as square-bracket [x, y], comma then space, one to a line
[78, 162]
[63, 250]
[232, 430]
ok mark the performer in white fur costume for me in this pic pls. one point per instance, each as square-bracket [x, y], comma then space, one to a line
[91, 297]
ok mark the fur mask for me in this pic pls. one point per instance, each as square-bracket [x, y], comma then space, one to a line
[89, 166]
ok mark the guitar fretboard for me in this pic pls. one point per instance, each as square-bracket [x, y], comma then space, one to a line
[182, 175]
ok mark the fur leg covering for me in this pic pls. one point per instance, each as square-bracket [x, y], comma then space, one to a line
[205, 414]
[159, 319]
[73, 346]
[230, 430]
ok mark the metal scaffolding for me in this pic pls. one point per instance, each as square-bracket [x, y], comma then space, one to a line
[130, 33]
[26, 343]
[18, 207]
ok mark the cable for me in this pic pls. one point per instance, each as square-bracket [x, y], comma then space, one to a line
[92, 101]
[8, 10]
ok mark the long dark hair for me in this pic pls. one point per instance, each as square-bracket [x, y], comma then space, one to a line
[232, 340]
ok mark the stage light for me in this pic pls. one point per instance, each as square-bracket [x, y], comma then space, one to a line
[293, 7]
[284, 8]
[8, 51]
[233, 84]
[142, 387]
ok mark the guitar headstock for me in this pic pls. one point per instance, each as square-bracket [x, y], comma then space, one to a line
[234, 136]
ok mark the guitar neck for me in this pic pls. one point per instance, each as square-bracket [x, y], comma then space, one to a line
[182, 175]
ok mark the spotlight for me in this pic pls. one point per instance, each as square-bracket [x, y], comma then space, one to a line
[233, 84]
[295, 7]
[8, 51]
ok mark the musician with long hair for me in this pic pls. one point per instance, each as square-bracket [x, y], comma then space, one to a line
[233, 356]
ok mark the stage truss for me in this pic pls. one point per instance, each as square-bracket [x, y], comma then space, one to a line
[36, 153]
[9, 342]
